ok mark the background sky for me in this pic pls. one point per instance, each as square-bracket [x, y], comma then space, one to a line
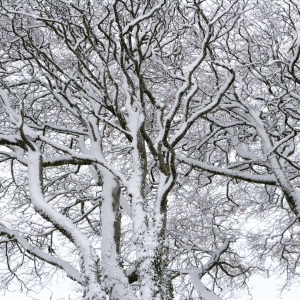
[263, 289]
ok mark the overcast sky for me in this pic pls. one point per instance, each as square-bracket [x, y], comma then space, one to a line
[263, 289]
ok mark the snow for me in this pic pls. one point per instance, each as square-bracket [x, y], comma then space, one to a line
[56, 261]
[62, 223]
[200, 288]
[125, 205]
[88, 157]
[281, 178]
[146, 220]
[268, 179]
[114, 279]
[238, 146]
[142, 17]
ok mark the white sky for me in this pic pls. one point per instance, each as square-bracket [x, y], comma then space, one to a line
[269, 289]
[263, 289]
[57, 290]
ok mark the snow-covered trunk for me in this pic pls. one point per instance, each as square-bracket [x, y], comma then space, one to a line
[144, 234]
[89, 260]
[114, 281]
[163, 278]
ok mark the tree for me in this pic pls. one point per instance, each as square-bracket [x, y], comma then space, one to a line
[127, 130]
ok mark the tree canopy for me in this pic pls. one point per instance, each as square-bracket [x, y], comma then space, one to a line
[139, 140]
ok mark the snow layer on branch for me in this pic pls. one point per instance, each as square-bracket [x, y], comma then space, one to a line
[202, 291]
[93, 289]
[67, 267]
[267, 179]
